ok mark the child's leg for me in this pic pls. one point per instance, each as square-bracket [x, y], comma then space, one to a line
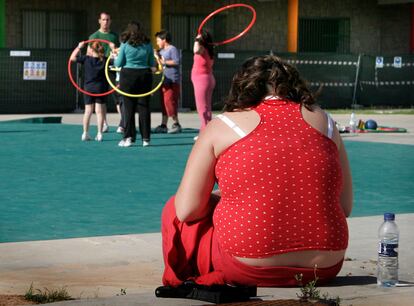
[100, 116]
[103, 109]
[87, 117]
[164, 91]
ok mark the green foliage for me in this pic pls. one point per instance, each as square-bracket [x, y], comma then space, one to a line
[309, 292]
[47, 296]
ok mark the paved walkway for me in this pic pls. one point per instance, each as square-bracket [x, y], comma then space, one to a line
[95, 269]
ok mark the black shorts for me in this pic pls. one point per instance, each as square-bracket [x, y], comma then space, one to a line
[92, 100]
[95, 88]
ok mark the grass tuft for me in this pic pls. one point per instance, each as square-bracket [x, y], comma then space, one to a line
[47, 296]
[309, 292]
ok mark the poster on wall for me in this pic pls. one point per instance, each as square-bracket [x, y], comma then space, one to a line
[34, 70]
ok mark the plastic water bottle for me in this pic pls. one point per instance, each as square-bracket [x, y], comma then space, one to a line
[387, 267]
[352, 123]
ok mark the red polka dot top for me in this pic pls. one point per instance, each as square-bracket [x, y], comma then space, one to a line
[280, 188]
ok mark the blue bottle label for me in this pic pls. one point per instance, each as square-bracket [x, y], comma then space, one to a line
[388, 250]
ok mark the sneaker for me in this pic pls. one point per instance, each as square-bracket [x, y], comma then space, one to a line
[145, 143]
[162, 128]
[175, 128]
[127, 142]
[120, 130]
[105, 128]
[98, 137]
[86, 137]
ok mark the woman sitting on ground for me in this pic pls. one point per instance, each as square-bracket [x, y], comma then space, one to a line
[285, 189]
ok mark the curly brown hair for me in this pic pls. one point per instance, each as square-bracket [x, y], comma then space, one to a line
[134, 34]
[263, 75]
[99, 49]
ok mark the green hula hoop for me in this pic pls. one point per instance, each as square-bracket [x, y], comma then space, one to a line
[125, 93]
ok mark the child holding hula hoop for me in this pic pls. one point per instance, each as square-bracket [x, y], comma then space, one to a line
[95, 82]
[202, 76]
[136, 58]
[105, 32]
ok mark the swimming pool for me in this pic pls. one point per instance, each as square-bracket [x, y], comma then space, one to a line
[54, 186]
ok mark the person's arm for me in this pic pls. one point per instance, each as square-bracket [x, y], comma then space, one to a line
[75, 52]
[198, 48]
[120, 60]
[347, 197]
[152, 63]
[157, 58]
[112, 46]
[194, 199]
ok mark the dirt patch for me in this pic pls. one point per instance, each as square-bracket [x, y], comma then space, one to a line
[12, 300]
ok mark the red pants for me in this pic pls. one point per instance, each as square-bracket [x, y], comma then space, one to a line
[191, 251]
[170, 96]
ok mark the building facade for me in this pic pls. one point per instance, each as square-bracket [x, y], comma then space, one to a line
[343, 26]
[318, 36]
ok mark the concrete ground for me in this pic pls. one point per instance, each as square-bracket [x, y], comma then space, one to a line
[95, 269]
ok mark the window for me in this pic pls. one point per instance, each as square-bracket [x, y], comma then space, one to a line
[54, 30]
[324, 35]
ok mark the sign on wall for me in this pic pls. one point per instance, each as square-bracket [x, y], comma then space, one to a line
[379, 62]
[397, 61]
[34, 70]
[19, 53]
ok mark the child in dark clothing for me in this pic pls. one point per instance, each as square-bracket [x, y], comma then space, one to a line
[94, 82]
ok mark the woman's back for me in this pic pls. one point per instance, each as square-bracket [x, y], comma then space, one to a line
[94, 78]
[280, 187]
[203, 63]
[285, 187]
[140, 56]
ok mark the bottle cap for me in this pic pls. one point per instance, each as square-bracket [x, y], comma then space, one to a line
[389, 216]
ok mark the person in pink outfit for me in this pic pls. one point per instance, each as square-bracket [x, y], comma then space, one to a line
[202, 76]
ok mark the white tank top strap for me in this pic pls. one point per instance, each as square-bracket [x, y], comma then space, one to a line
[271, 97]
[232, 125]
[330, 125]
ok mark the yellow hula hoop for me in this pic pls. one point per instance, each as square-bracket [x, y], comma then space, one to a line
[128, 94]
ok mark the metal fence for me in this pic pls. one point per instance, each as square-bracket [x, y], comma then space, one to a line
[345, 79]
[391, 85]
[22, 90]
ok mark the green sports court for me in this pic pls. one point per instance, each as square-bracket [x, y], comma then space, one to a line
[54, 186]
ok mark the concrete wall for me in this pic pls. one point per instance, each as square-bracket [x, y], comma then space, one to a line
[375, 29]
[269, 31]
[395, 29]
[121, 14]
